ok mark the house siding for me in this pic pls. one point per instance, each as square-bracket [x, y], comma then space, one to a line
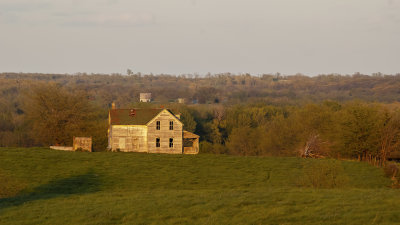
[129, 138]
[165, 134]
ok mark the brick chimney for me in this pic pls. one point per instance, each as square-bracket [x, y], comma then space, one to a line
[132, 112]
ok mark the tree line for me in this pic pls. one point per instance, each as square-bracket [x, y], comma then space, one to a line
[356, 129]
[353, 116]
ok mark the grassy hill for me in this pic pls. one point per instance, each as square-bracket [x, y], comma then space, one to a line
[41, 186]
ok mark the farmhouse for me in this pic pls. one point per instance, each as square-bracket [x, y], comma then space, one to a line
[149, 130]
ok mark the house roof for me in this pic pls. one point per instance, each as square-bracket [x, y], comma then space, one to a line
[132, 116]
[187, 134]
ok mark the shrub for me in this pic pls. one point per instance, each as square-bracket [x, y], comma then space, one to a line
[323, 174]
[207, 147]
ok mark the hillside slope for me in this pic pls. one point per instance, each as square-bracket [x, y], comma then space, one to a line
[41, 186]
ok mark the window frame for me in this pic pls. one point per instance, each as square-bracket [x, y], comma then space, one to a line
[158, 142]
[171, 142]
[171, 125]
[158, 125]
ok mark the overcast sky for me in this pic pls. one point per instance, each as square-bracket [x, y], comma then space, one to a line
[200, 36]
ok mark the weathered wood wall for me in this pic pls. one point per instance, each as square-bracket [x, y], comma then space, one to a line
[193, 148]
[165, 134]
[129, 138]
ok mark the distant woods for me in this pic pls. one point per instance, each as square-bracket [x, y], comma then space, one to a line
[359, 130]
[331, 116]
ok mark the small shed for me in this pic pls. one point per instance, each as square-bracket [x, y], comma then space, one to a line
[145, 97]
[190, 143]
[83, 143]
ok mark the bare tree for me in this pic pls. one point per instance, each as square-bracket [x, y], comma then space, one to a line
[56, 115]
[312, 148]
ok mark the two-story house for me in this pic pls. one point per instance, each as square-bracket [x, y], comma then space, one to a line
[149, 130]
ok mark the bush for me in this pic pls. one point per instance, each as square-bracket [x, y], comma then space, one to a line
[323, 174]
[207, 147]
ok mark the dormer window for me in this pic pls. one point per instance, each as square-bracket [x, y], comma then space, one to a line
[171, 125]
[158, 125]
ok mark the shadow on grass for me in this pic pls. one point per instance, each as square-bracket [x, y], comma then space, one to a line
[74, 185]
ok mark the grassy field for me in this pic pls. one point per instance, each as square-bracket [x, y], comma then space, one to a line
[41, 186]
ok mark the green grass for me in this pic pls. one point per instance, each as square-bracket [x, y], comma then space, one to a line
[54, 187]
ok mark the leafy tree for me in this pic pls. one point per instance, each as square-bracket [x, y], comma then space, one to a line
[188, 121]
[129, 72]
[360, 130]
[390, 136]
[244, 141]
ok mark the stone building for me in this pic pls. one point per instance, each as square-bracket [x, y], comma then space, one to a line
[149, 130]
[82, 143]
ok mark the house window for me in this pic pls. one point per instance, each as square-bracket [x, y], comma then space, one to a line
[171, 142]
[158, 125]
[171, 125]
[157, 142]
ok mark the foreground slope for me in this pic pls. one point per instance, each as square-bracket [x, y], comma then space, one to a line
[41, 186]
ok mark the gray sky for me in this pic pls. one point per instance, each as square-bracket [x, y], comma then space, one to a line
[200, 36]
